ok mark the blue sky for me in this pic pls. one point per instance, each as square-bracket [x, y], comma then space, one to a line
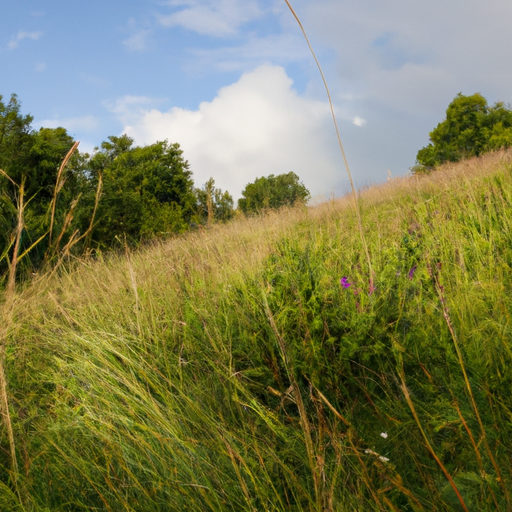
[232, 81]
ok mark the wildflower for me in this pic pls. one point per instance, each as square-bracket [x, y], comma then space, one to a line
[374, 453]
[411, 272]
[384, 435]
[344, 282]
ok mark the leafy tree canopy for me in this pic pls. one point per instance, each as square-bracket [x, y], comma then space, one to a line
[15, 138]
[33, 157]
[273, 192]
[471, 128]
[120, 193]
[30, 161]
[147, 191]
[213, 204]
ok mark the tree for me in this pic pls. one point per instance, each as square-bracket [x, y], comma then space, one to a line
[147, 191]
[213, 204]
[31, 160]
[273, 192]
[15, 137]
[471, 128]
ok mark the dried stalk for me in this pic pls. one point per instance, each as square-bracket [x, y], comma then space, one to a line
[354, 193]
[6, 313]
[58, 186]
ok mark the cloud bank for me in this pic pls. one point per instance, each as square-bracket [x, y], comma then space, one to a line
[255, 127]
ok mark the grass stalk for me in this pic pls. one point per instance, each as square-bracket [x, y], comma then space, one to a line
[6, 314]
[476, 450]
[59, 183]
[442, 299]
[429, 445]
[297, 395]
[342, 150]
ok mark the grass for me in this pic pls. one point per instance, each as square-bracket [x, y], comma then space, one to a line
[229, 369]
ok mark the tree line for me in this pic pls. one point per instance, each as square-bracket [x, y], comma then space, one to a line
[120, 194]
[124, 194]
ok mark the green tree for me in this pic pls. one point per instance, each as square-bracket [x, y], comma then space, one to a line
[147, 191]
[471, 128]
[213, 204]
[31, 158]
[15, 138]
[273, 192]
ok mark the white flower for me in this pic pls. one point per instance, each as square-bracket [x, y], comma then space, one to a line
[383, 459]
[384, 435]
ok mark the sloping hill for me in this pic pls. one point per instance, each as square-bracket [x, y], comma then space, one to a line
[251, 367]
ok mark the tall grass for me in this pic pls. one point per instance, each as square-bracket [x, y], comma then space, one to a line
[231, 370]
[340, 144]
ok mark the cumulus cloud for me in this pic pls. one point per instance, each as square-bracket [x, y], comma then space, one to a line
[219, 18]
[20, 36]
[402, 62]
[255, 127]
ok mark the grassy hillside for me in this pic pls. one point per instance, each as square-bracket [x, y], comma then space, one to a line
[249, 367]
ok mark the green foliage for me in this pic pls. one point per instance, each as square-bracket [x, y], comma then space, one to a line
[213, 204]
[15, 138]
[32, 159]
[471, 128]
[273, 192]
[147, 191]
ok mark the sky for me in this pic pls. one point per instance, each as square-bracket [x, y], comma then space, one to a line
[234, 83]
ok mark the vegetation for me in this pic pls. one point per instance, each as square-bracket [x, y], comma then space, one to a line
[213, 204]
[273, 192]
[471, 128]
[252, 367]
[147, 191]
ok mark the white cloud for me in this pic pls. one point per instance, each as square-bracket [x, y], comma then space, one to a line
[20, 36]
[138, 40]
[401, 63]
[82, 123]
[130, 107]
[219, 18]
[359, 121]
[41, 66]
[255, 127]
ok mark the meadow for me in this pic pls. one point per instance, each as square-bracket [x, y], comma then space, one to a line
[259, 365]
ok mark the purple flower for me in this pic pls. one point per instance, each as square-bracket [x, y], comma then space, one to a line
[411, 272]
[344, 282]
